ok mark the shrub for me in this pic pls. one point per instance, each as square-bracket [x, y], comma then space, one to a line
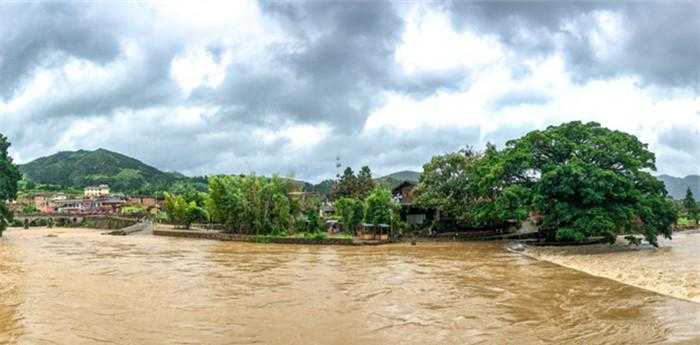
[183, 213]
[569, 235]
[318, 236]
[350, 211]
[379, 207]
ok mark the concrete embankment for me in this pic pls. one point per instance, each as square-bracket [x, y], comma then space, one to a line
[215, 235]
[138, 227]
[107, 222]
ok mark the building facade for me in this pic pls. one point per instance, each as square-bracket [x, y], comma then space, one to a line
[96, 191]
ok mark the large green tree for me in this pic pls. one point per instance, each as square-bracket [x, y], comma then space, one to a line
[691, 206]
[445, 184]
[182, 212]
[582, 179]
[379, 206]
[251, 204]
[9, 176]
[365, 183]
[586, 180]
[468, 187]
[346, 185]
[351, 212]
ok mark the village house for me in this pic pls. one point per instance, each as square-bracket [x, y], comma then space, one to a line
[44, 204]
[59, 197]
[96, 191]
[102, 205]
[146, 202]
[411, 214]
[327, 209]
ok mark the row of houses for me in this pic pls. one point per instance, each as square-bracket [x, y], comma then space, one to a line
[95, 200]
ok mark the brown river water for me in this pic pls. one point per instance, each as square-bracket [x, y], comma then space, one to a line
[81, 287]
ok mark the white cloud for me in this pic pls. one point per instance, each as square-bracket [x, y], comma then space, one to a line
[199, 68]
[430, 43]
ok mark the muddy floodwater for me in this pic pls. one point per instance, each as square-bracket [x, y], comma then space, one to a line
[671, 269]
[70, 286]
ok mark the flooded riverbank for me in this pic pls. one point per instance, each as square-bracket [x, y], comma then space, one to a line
[81, 287]
[673, 269]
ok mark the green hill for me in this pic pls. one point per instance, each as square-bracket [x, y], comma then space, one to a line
[677, 186]
[394, 179]
[82, 168]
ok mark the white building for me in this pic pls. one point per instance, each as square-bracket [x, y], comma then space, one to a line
[96, 191]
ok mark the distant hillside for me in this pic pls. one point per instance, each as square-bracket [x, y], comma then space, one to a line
[394, 179]
[82, 168]
[677, 186]
[324, 187]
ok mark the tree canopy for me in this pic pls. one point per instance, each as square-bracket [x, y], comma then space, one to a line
[182, 212]
[583, 179]
[379, 206]
[350, 185]
[251, 204]
[691, 206]
[468, 187]
[350, 211]
[9, 176]
[587, 180]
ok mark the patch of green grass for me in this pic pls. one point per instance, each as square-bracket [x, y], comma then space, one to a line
[318, 236]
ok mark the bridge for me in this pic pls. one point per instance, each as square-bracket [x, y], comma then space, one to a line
[71, 218]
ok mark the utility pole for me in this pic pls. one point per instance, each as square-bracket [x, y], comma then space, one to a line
[337, 167]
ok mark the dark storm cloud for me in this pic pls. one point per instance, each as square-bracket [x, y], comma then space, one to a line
[332, 68]
[341, 62]
[662, 45]
[41, 34]
[148, 85]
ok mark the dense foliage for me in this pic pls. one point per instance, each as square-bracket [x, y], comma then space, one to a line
[583, 179]
[251, 204]
[351, 212]
[590, 181]
[350, 185]
[379, 207]
[9, 176]
[445, 184]
[691, 206]
[182, 212]
[467, 187]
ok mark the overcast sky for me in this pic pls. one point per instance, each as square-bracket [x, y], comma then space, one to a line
[278, 87]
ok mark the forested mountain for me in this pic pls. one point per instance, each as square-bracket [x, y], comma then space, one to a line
[394, 179]
[677, 186]
[82, 168]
